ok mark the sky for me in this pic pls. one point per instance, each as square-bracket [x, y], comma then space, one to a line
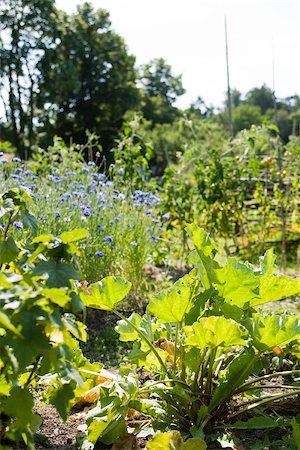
[263, 42]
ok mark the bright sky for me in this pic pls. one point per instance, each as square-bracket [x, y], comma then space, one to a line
[189, 35]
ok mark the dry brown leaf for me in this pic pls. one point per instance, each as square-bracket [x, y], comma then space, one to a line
[128, 442]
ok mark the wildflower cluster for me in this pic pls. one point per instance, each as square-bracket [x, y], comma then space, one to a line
[124, 227]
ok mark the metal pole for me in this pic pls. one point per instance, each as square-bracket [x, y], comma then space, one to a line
[229, 103]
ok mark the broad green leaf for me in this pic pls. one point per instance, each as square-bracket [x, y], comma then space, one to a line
[267, 262]
[201, 240]
[214, 331]
[276, 287]
[172, 304]
[238, 283]
[29, 221]
[43, 238]
[58, 296]
[127, 332]
[4, 386]
[8, 250]
[58, 274]
[19, 404]
[107, 293]
[273, 330]
[75, 235]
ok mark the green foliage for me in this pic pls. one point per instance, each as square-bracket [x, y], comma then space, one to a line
[205, 346]
[39, 331]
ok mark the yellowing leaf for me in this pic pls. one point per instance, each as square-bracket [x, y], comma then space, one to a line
[214, 331]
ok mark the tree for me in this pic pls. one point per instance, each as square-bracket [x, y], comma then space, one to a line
[26, 28]
[161, 89]
[244, 116]
[261, 96]
[88, 78]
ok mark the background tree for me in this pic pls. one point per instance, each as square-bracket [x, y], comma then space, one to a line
[88, 78]
[161, 89]
[261, 96]
[26, 28]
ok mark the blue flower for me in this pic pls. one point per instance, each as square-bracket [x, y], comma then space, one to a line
[99, 254]
[91, 163]
[121, 171]
[18, 225]
[84, 170]
[108, 239]
[111, 166]
[17, 160]
[133, 243]
[57, 214]
[154, 238]
[4, 160]
[165, 216]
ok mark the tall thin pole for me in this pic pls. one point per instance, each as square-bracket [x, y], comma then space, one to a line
[229, 103]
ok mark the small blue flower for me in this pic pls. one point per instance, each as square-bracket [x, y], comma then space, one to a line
[57, 214]
[108, 239]
[165, 216]
[154, 238]
[112, 247]
[18, 225]
[17, 160]
[99, 254]
[111, 166]
[1, 153]
[27, 173]
[84, 170]
[133, 243]
[121, 171]
[91, 163]
[4, 160]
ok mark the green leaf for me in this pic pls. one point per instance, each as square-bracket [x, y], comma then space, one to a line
[78, 329]
[203, 257]
[172, 305]
[127, 332]
[7, 324]
[62, 399]
[296, 432]
[194, 444]
[43, 238]
[6, 205]
[256, 423]
[232, 377]
[8, 250]
[75, 235]
[148, 407]
[267, 262]
[107, 293]
[29, 221]
[58, 296]
[273, 330]
[58, 274]
[238, 283]
[276, 287]
[214, 331]
[171, 440]
[19, 404]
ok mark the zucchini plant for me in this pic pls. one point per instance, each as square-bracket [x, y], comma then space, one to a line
[203, 347]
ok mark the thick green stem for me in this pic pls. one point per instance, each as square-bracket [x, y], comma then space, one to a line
[266, 377]
[250, 405]
[145, 338]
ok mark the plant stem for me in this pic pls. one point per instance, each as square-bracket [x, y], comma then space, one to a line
[32, 371]
[265, 377]
[145, 338]
[175, 347]
[250, 405]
